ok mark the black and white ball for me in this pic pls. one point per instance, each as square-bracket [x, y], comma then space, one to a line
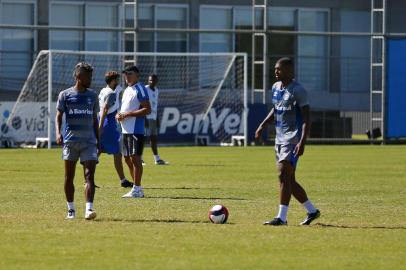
[218, 214]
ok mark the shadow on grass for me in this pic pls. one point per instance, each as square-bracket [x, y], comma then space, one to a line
[204, 165]
[153, 221]
[163, 188]
[194, 198]
[324, 225]
[180, 188]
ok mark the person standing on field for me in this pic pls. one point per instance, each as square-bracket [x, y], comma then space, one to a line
[81, 137]
[109, 102]
[290, 111]
[152, 121]
[135, 106]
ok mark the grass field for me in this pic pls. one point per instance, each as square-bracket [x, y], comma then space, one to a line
[360, 191]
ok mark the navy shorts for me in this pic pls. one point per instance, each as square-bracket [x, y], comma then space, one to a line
[133, 144]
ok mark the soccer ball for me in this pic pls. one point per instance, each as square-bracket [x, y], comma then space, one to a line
[218, 214]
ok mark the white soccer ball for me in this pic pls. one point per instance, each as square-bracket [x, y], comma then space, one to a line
[218, 214]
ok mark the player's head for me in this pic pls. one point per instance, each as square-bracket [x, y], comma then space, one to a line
[112, 79]
[132, 75]
[152, 80]
[83, 74]
[284, 69]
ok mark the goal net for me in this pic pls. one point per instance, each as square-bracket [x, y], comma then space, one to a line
[202, 96]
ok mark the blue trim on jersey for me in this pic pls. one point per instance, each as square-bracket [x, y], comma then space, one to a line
[142, 92]
[294, 159]
[299, 121]
[139, 125]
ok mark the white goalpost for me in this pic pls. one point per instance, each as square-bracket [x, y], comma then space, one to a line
[203, 96]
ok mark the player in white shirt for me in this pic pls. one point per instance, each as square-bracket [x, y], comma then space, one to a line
[109, 102]
[152, 121]
[135, 106]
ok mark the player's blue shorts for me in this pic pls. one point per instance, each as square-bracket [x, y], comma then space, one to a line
[110, 136]
[285, 152]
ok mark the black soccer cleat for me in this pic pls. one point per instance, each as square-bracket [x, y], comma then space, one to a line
[126, 184]
[276, 222]
[310, 217]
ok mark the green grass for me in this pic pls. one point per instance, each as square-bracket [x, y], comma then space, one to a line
[360, 191]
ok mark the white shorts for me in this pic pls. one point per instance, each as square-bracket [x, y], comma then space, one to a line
[284, 152]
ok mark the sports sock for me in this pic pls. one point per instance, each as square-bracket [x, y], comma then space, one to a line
[89, 205]
[123, 180]
[309, 207]
[156, 157]
[283, 212]
[71, 205]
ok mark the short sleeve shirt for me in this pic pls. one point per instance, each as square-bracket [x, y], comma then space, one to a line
[153, 99]
[131, 101]
[78, 109]
[287, 102]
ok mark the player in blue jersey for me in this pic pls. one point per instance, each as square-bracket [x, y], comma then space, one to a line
[290, 112]
[80, 139]
[109, 102]
[135, 106]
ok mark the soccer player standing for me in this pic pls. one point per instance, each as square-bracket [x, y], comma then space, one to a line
[81, 137]
[109, 102]
[152, 121]
[291, 114]
[135, 106]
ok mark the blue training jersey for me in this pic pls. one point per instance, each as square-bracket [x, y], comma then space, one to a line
[287, 102]
[78, 109]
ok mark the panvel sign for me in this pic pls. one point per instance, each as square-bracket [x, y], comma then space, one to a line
[176, 126]
[220, 124]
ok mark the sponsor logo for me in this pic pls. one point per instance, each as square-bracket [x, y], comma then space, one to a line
[77, 111]
[186, 123]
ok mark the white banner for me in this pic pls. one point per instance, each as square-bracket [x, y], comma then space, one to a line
[27, 124]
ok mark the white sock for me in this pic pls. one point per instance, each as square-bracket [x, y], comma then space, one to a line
[156, 157]
[283, 212]
[137, 188]
[71, 205]
[89, 205]
[309, 207]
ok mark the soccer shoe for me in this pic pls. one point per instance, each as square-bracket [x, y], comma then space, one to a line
[71, 214]
[310, 217]
[126, 184]
[90, 214]
[276, 222]
[134, 194]
[161, 162]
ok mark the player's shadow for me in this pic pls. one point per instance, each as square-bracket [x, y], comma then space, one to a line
[179, 188]
[195, 198]
[154, 221]
[204, 165]
[324, 225]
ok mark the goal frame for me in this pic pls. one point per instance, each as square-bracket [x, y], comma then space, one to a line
[244, 56]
